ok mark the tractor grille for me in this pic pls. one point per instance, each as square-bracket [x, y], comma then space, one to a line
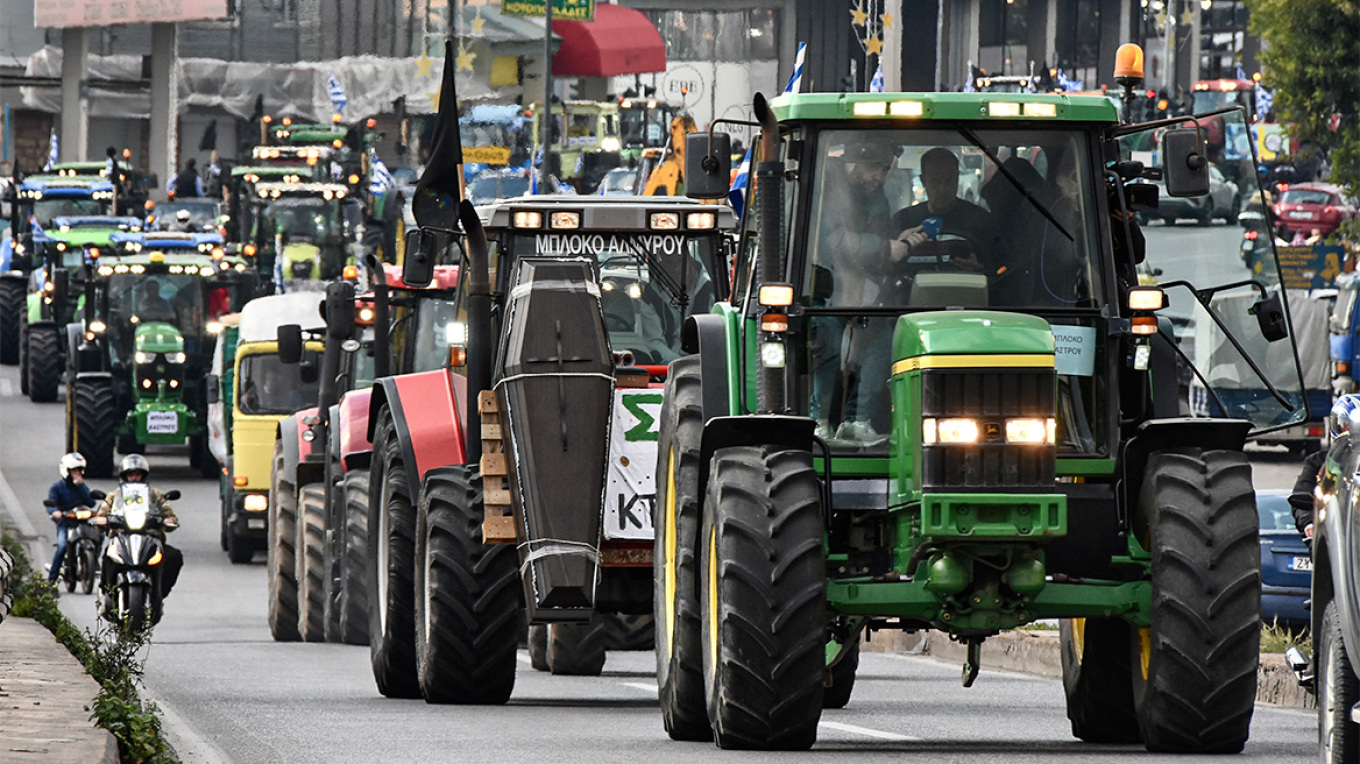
[990, 397]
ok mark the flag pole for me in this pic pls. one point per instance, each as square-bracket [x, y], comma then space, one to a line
[547, 124]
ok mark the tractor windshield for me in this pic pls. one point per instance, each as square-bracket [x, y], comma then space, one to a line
[269, 386]
[925, 219]
[185, 300]
[436, 330]
[310, 220]
[48, 209]
[649, 283]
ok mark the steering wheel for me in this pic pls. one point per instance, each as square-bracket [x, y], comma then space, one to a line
[946, 253]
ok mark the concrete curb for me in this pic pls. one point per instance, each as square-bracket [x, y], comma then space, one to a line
[1037, 652]
[46, 699]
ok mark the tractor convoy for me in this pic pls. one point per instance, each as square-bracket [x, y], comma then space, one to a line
[583, 422]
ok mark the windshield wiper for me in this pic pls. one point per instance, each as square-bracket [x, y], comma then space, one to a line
[972, 137]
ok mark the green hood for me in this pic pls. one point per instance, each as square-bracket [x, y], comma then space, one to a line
[158, 337]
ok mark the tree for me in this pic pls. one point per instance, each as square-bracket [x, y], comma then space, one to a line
[1311, 58]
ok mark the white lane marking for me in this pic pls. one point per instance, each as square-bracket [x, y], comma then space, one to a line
[6, 388]
[865, 731]
[641, 686]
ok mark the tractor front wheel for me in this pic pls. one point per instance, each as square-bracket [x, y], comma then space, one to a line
[311, 568]
[1096, 670]
[391, 554]
[538, 646]
[282, 565]
[1194, 669]
[45, 362]
[353, 600]
[12, 306]
[577, 649]
[467, 603]
[1338, 691]
[837, 693]
[91, 423]
[763, 595]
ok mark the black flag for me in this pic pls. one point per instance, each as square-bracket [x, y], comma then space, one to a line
[209, 140]
[437, 192]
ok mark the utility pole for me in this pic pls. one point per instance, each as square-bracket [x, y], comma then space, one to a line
[546, 128]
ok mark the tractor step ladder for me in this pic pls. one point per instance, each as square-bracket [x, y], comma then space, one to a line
[498, 524]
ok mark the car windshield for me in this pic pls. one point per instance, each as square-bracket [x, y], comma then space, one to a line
[649, 283]
[269, 386]
[1305, 196]
[49, 209]
[202, 216]
[1275, 512]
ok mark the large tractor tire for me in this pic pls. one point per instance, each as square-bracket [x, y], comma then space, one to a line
[467, 596]
[837, 693]
[45, 362]
[763, 595]
[629, 632]
[90, 424]
[311, 563]
[538, 646]
[576, 649]
[1194, 669]
[391, 552]
[1096, 664]
[13, 302]
[679, 663]
[1338, 690]
[467, 603]
[282, 548]
[352, 602]
[23, 350]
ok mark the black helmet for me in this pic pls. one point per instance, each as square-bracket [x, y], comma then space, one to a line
[134, 463]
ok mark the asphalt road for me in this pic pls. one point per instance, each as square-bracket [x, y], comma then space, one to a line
[231, 694]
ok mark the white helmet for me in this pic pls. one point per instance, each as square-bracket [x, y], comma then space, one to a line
[183, 216]
[71, 461]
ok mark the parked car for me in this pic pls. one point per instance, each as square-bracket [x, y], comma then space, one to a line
[1286, 565]
[621, 181]
[1222, 201]
[1308, 206]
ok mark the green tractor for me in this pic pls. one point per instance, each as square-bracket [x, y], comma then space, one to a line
[939, 415]
[136, 362]
[56, 293]
[306, 231]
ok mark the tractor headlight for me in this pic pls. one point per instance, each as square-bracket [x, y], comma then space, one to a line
[144, 357]
[954, 430]
[1031, 431]
[255, 502]
[97, 326]
[175, 357]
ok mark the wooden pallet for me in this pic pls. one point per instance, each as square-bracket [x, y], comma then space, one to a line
[498, 522]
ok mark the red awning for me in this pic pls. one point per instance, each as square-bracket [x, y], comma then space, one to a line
[619, 41]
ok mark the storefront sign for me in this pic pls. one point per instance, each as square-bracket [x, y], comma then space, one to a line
[86, 13]
[563, 10]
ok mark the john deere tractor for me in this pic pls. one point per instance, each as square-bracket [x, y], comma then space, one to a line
[928, 414]
[137, 360]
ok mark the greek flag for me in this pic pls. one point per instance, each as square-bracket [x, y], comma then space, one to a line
[737, 196]
[876, 84]
[1240, 74]
[1265, 99]
[796, 79]
[337, 93]
[1067, 83]
[380, 181]
[53, 151]
[968, 86]
[278, 265]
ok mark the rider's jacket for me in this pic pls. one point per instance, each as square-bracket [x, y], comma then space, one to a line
[67, 495]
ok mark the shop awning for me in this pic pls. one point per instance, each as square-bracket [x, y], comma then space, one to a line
[619, 41]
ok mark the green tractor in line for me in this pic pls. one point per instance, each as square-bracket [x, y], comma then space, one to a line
[137, 360]
[905, 421]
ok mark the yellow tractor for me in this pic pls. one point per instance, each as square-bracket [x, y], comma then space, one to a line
[667, 178]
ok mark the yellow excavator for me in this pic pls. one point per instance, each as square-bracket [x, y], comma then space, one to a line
[667, 175]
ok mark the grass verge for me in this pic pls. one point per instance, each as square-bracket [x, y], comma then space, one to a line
[110, 656]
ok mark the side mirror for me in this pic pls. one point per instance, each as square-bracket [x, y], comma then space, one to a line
[1269, 314]
[339, 309]
[1184, 166]
[424, 247]
[172, 495]
[213, 393]
[708, 165]
[309, 368]
[290, 343]
[98, 495]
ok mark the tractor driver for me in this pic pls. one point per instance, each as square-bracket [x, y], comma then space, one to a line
[154, 307]
[940, 177]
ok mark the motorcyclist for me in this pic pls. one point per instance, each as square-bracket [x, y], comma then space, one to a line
[67, 494]
[135, 469]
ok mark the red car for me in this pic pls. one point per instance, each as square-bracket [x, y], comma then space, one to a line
[1307, 206]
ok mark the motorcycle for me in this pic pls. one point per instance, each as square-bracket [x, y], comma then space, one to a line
[132, 556]
[82, 545]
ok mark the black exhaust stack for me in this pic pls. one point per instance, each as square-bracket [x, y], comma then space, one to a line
[555, 388]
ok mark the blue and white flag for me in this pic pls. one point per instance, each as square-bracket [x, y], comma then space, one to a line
[968, 86]
[1240, 74]
[53, 151]
[876, 84]
[337, 93]
[1067, 83]
[1265, 100]
[380, 180]
[795, 84]
[737, 195]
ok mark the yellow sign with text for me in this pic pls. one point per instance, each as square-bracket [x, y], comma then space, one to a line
[486, 154]
[563, 10]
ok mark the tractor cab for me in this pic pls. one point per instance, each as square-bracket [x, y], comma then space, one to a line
[306, 231]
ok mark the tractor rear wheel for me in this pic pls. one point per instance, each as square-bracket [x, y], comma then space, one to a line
[12, 305]
[763, 595]
[282, 565]
[837, 694]
[629, 632]
[1338, 691]
[391, 554]
[240, 550]
[467, 603]
[91, 423]
[353, 599]
[311, 564]
[679, 664]
[538, 646]
[577, 649]
[45, 362]
[1194, 670]
[1096, 666]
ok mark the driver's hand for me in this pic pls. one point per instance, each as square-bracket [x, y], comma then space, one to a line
[909, 238]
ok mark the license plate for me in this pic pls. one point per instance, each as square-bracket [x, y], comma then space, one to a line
[162, 422]
[1301, 215]
[255, 524]
[1301, 563]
